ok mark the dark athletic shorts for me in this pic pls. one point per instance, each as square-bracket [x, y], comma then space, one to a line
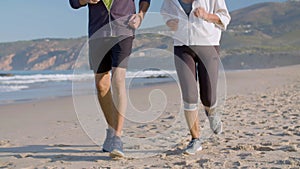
[105, 53]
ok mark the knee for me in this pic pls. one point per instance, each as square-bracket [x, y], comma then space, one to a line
[118, 81]
[103, 83]
[209, 101]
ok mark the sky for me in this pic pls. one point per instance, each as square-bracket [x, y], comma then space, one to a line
[36, 19]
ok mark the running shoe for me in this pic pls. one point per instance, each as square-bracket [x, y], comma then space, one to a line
[117, 148]
[215, 121]
[108, 140]
[193, 147]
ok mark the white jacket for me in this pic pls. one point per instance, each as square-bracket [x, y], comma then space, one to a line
[193, 30]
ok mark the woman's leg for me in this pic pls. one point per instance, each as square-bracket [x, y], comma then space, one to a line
[186, 71]
[208, 69]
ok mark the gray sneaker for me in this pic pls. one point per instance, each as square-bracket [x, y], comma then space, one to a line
[193, 147]
[108, 140]
[215, 121]
[117, 148]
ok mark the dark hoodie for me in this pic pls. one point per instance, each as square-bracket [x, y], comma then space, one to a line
[99, 16]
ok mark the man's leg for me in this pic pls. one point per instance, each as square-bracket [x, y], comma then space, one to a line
[100, 62]
[113, 104]
[103, 86]
[119, 98]
[103, 83]
[120, 55]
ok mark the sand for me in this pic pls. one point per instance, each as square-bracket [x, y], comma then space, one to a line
[261, 129]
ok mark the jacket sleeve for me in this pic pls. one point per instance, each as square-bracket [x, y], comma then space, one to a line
[222, 12]
[167, 11]
[75, 4]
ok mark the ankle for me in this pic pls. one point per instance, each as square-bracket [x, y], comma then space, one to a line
[111, 129]
[195, 138]
[209, 111]
[118, 133]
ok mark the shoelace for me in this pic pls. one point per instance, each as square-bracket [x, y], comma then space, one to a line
[192, 142]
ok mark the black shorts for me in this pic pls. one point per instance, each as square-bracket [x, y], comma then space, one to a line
[105, 53]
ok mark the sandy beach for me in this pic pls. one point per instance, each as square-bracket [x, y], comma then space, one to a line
[261, 129]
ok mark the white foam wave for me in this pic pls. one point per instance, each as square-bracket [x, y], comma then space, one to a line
[150, 74]
[10, 88]
[43, 78]
[24, 82]
[40, 78]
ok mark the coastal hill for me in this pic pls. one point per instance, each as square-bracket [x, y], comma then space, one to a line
[260, 36]
[42, 54]
[263, 35]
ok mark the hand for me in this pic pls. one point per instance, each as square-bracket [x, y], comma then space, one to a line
[93, 1]
[201, 13]
[173, 24]
[135, 21]
[84, 2]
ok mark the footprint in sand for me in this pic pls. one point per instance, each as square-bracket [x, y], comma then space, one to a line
[249, 147]
[5, 143]
[6, 164]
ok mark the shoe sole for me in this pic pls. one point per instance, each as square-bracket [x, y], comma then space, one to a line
[116, 154]
[188, 153]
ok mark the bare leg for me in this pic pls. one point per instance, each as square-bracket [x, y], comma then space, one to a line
[113, 105]
[119, 97]
[193, 122]
[103, 83]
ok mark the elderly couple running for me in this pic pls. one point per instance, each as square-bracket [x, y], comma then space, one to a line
[198, 23]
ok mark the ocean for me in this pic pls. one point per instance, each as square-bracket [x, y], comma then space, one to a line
[26, 86]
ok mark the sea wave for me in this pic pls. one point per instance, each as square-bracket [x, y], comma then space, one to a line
[152, 73]
[10, 88]
[27, 81]
[40, 78]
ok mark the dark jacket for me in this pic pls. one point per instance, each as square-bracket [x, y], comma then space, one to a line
[99, 16]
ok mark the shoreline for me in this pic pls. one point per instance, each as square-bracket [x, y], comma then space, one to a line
[230, 74]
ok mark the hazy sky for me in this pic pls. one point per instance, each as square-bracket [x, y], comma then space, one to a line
[33, 19]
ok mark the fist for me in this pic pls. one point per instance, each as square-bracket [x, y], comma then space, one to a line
[173, 24]
[135, 21]
[201, 13]
[93, 1]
